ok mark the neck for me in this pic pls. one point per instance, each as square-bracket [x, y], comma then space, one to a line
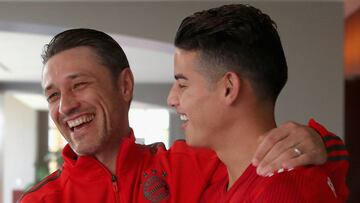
[108, 155]
[240, 141]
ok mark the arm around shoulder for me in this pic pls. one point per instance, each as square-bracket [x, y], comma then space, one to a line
[337, 163]
[303, 185]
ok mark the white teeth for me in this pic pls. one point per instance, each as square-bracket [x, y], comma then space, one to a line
[80, 120]
[183, 117]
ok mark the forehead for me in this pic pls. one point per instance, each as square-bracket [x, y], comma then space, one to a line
[186, 60]
[66, 64]
[191, 64]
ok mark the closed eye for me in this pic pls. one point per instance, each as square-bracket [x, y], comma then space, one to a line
[80, 85]
[181, 86]
[52, 97]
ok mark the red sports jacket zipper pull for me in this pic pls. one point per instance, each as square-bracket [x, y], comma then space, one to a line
[114, 182]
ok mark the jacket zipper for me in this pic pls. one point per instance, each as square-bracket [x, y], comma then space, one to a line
[115, 188]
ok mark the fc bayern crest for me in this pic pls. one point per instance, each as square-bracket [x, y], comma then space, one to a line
[155, 189]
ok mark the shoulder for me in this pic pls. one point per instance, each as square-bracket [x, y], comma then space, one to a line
[47, 187]
[304, 184]
[186, 156]
[182, 159]
[178, 148]
[215, 192]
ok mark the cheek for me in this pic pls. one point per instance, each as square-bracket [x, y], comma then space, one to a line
[53, 112]
[190, 99]
[110, 108]
[207, 111]
[196, 109]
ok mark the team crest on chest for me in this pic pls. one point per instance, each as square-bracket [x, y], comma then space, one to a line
[155, 188]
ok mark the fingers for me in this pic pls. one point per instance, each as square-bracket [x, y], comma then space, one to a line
[276, 151]
[287, 160]
[267, 141]
[312, 152]
[280, 153]
[301, 160]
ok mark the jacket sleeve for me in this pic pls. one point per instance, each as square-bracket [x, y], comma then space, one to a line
[338, 159]
[299, 186]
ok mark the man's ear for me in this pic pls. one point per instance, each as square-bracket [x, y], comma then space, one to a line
[231, 85]
[125, 84]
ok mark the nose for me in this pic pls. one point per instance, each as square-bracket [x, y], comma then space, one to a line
[68, 103]
[172, 99]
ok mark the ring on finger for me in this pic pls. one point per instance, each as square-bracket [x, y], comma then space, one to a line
[297, 151]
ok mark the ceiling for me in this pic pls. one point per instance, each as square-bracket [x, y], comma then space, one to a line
[20, 57]
[147, 44]
[20, 61]
[150, 59]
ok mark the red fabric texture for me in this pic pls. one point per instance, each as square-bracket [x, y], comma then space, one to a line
[337, 165]
[143, 174]
[312, 184]
[301, 185]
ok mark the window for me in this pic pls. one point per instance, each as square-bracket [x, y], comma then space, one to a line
[55, 144]
[150, 125]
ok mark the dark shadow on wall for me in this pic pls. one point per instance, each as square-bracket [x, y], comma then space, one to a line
[352, 102]
[352, 132]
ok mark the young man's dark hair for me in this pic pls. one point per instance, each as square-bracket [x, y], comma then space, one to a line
[108, 51]
[239, 38]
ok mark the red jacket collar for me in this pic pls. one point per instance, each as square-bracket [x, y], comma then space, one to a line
[83, 165]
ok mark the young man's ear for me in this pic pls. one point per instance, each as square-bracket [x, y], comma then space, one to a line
[232, 85]
[126, 84]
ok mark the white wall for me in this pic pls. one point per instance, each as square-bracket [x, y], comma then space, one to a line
[2, 131]
[312, 36]
[20, 142]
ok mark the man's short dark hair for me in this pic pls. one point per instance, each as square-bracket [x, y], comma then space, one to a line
[237, 38]
[109, 52]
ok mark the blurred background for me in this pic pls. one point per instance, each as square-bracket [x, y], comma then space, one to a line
[321, 41]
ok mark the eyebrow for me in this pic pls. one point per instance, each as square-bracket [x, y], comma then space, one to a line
[71, 77]
[48, 88]
[180, 76]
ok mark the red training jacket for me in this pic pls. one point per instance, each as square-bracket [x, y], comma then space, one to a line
[150, 173]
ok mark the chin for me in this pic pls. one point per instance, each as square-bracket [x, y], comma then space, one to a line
[200, 140]
[81, 151]
[193, 143]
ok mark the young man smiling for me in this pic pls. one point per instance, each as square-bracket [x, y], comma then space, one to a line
[229, 68]
[89, 85]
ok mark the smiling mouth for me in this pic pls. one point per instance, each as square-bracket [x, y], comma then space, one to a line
[80, 121]
[183, 117]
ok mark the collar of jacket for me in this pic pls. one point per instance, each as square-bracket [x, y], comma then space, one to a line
[128, 157]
